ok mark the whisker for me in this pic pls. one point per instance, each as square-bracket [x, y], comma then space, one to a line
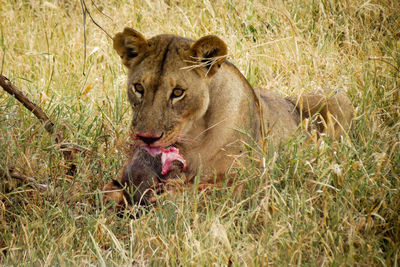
[187, 140]
[209, 128]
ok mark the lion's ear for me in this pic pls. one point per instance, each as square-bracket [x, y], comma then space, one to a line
[129, 44]
[209, 53]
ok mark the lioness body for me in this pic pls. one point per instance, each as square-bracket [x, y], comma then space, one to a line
[232, 117]
[184, 93]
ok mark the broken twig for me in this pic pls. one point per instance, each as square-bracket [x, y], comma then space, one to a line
[23, 178]
[35, 109]
[48, 125]
[16, 175]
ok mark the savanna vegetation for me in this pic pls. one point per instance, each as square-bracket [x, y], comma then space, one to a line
[313, 203]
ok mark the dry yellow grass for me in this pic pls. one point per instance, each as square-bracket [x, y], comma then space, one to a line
[333, 204]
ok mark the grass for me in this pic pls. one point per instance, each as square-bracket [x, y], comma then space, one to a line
[337, 203]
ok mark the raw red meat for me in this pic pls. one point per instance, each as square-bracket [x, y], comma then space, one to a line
[168, 155]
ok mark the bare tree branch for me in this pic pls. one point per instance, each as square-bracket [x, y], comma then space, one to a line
[48, 125]
[16, 175]
[35, 109]
[23, 178]
[101, 12]
[84, 34]
[385, 61]
[85, 11]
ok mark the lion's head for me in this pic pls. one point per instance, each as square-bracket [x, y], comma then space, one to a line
[168, 78]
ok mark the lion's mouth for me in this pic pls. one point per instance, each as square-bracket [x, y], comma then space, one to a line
[153, 145]
[168, 156]
[148, 138]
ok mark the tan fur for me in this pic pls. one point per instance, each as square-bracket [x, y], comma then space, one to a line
[334, 108]
[219, 110]
[114, 192]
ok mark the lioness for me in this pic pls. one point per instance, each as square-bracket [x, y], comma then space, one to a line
[185, 94]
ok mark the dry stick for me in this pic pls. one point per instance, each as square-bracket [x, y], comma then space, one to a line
[39, 113]
[35, 109]
[385, 61]
[22, 177]
[85, 11]
[101, 12]
[16, 175]
[84, 35]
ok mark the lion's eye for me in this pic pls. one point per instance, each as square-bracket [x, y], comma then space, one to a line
[177, 92]
[139, 88]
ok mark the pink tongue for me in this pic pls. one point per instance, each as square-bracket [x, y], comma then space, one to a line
[167, 157]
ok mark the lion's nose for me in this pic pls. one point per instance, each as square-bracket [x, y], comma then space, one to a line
[148, 138]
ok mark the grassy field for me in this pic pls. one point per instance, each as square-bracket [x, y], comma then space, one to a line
[330, 203]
